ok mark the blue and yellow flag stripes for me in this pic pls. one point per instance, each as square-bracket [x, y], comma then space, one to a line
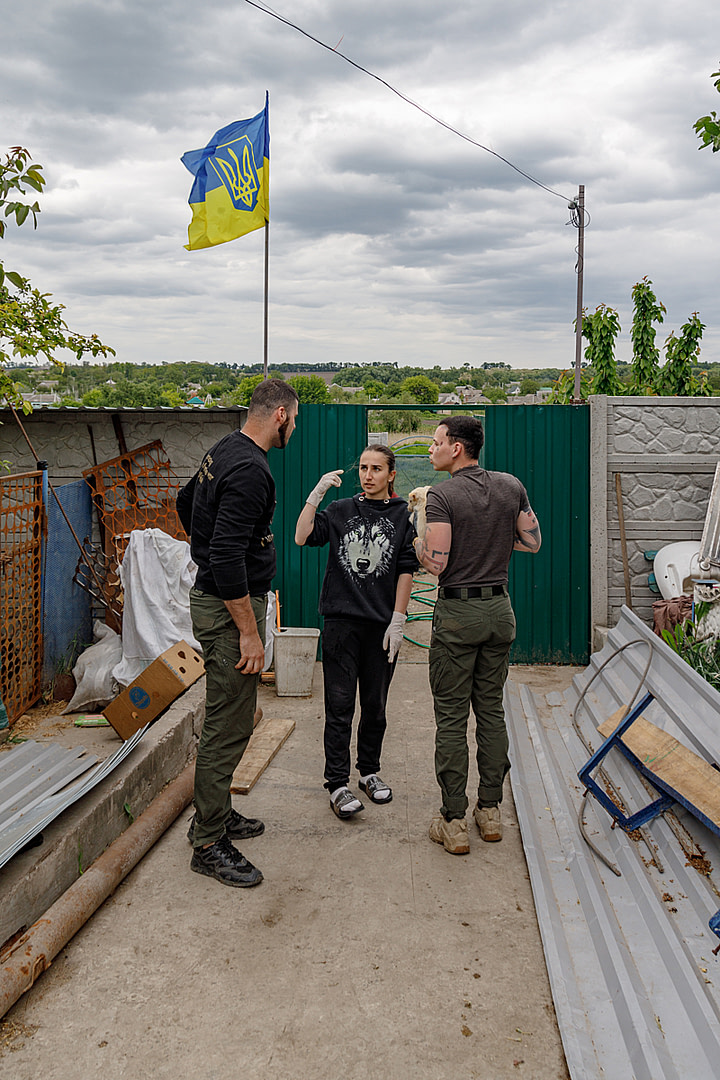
[231, 193]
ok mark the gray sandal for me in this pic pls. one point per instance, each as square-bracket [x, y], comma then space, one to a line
[346, 805]
[376, 789]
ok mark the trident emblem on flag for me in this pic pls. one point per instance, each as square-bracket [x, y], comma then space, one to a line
[240, 181]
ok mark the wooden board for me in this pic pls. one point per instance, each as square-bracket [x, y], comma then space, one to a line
[685, 772]
[265, 741]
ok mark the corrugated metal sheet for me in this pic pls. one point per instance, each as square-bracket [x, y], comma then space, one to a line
[31, 772]
[32, 808]
[327, 437]
[548, 448]
[635, 983]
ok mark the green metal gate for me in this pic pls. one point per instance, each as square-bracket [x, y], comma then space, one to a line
[547, 447]
[327, 437]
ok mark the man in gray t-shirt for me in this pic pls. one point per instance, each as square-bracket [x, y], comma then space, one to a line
[475, 520]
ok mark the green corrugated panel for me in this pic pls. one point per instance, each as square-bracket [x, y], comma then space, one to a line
[548, 448]
[327, 437]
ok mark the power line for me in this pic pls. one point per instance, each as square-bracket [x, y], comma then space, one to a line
[448, 127]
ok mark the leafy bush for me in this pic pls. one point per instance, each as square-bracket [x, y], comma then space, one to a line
[702, 656]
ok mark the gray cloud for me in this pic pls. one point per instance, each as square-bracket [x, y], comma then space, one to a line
[390, 236]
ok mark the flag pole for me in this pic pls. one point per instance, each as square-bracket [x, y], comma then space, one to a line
[267, 251]
[265, 336]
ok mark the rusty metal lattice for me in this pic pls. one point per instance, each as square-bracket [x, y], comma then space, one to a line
[22, 524]
[136, 490]
[98, 574]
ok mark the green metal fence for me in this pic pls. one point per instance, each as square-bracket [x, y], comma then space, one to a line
[327, 437]
[547, 447]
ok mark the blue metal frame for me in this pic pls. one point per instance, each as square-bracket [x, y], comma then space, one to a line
[668, 795]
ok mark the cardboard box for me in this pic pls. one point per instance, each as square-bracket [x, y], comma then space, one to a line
[159, 685]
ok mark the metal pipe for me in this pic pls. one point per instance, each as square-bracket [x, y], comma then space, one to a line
[35, 950]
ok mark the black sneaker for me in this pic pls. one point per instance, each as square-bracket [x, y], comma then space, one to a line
[224, 862]
[237, 827]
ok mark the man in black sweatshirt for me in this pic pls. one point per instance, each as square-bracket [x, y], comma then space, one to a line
[227, 510]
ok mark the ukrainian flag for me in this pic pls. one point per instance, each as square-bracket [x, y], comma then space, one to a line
[231, 193]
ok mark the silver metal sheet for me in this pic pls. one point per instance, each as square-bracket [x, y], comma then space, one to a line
[26, 821]
[32, 771]
[635, 984]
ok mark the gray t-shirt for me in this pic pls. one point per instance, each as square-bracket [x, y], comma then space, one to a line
[482, 507]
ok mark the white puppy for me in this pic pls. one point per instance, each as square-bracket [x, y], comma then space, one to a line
[416, 508]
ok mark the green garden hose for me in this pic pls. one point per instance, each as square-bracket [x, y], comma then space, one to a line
[419, 589]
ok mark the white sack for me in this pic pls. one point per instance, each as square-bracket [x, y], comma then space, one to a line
[157, 574]
[94, 683]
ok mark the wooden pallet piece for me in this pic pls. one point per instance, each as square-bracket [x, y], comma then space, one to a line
[679, 768]
[265, 741]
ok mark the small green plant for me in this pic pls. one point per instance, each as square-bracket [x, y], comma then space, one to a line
[601, 328]
[564, 387]
[676, 377]
[702, 656]
[646, 356]
[708, 127]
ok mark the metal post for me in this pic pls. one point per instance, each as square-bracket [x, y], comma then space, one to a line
[43, 467]
[580, 266]
[265, 339]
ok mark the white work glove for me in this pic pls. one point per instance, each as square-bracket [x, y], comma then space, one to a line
[394, 635]
[330, 479]
[416, 509]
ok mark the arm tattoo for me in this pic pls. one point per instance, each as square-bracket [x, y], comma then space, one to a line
[528, 540]
[436, 558]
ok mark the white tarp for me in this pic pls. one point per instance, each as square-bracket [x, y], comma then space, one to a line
[157, 574]
[93, 671]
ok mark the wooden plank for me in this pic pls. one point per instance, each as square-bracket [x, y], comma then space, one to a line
[265, 741]
[679, 768]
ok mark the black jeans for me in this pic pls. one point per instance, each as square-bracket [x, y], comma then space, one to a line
[353, 657]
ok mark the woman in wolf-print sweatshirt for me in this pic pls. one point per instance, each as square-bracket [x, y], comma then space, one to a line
[363, 601]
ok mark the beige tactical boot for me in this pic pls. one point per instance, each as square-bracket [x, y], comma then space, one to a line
[487, 819]
[453, 835]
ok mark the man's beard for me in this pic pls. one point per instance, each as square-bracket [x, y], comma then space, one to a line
[282, 434]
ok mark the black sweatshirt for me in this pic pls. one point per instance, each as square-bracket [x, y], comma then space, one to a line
[227, 510]
[370, 547]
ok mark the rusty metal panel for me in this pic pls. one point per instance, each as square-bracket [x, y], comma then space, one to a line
[22, 527]
[136, 490]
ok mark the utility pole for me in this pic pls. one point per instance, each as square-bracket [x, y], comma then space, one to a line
[579, 207]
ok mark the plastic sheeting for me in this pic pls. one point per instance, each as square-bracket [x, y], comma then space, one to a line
[157, 574]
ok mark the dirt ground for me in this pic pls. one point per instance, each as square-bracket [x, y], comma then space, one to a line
[367, 953]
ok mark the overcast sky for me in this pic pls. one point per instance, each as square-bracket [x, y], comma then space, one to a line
[391, 238]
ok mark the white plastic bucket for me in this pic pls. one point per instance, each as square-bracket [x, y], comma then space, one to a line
[675, 566]
[295, 650]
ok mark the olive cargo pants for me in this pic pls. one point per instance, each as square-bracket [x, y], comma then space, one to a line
[469, 652]
[230, 702]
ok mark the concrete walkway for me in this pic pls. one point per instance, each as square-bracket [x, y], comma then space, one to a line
[368, 953]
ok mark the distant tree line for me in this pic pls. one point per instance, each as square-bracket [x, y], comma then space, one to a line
[117, 384]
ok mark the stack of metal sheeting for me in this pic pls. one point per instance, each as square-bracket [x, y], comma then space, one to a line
[36, 786]
[634, 980]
